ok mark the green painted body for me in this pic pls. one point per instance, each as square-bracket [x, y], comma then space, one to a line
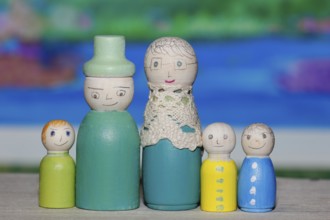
[108, 162]
[57, 181]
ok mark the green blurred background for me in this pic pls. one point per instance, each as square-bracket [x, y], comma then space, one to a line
[149, 19]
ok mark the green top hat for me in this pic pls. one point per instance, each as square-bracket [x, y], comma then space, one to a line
[109, 58]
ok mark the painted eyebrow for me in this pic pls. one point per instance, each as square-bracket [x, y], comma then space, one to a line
[124, 87]
[95, 88]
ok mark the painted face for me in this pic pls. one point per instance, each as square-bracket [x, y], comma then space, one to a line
[219, 138]
[170, 61]
[58, 137]
[109, 94]
[258, 140]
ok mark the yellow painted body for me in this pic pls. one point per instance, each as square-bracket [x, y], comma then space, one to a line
[57, 181]
[218, 186]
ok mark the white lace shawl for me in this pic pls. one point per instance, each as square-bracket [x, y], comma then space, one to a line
[171, 109]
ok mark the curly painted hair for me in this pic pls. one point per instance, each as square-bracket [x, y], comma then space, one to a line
[171, 46]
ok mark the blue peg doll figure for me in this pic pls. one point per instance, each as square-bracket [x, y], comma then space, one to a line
[257, 180]
[171, 135]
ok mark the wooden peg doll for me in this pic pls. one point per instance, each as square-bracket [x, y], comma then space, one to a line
[108, 142]
[171, 136]
[219, 171]
[57, 168]
[257, 180]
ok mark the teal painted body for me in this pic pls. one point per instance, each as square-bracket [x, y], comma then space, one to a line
[171, 176]
[108, 162]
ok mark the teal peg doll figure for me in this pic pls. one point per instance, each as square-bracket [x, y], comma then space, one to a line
[108, 142]
[171, 134]
[57, 168]
[257, 180]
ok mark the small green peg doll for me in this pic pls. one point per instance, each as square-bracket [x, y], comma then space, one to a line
[57, 168]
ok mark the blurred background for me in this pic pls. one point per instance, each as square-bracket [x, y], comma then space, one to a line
[259, 61]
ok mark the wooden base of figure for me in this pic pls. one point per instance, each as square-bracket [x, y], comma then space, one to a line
[108, 162]
[256, 210]
[172, 207]
[57, 181]
[171, 177]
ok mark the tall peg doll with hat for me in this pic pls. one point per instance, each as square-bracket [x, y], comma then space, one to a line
[108, 142]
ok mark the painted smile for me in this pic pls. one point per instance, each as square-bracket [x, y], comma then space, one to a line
[257, 147]
[61, 144]
[170, 81]
[111, 104]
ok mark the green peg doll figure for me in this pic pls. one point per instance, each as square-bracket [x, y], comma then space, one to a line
[57, 168]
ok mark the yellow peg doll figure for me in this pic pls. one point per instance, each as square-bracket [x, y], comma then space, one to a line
[57, 168]
[219, 172]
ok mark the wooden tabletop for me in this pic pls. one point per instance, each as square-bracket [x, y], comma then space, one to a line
[296, 199]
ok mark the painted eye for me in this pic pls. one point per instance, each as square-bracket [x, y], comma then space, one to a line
[225, 136]
[248, 137]
[264, 135]
[210, 136]
[156, 64]
[121, 92]
[68, 133]
[95, 95]
[52, 133]
[180, 65]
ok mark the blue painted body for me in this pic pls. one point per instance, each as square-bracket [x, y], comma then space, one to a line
[257, 172]
[171, 176]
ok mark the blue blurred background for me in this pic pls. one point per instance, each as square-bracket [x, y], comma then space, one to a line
[259, 61]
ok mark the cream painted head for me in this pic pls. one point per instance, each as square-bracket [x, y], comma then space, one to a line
[109, 94]
[58, 135]
[219, 138]
[170, 61]
[258, 140]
